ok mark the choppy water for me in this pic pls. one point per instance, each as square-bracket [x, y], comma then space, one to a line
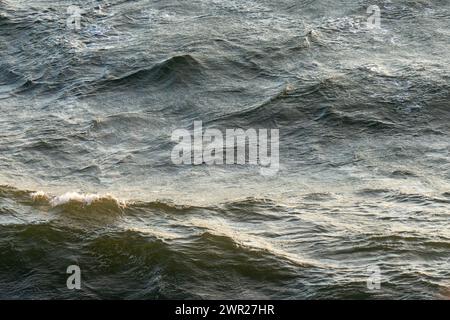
[85, 170]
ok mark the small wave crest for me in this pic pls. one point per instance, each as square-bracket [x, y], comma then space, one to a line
[182, 69]
[85, 199]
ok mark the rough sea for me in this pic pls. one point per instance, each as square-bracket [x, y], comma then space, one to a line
[86, 176]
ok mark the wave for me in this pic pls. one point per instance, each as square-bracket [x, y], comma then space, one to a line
[397, 196]
[75, 197]
[359, 119]
[89, 202]
[246, 241]
[41, 199]
[181, 69]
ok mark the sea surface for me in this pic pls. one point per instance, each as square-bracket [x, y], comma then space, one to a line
[86, 176]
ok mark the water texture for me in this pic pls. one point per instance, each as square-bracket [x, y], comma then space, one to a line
[86, 176]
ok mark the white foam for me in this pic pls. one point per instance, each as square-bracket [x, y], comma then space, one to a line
[39, 195]
[83, 198]
[74, 196]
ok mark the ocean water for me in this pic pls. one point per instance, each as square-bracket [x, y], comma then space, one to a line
[86, 176]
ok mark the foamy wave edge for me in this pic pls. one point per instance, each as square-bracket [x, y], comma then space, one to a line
[86, 199]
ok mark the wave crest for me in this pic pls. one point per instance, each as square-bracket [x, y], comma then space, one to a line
[85, 199]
